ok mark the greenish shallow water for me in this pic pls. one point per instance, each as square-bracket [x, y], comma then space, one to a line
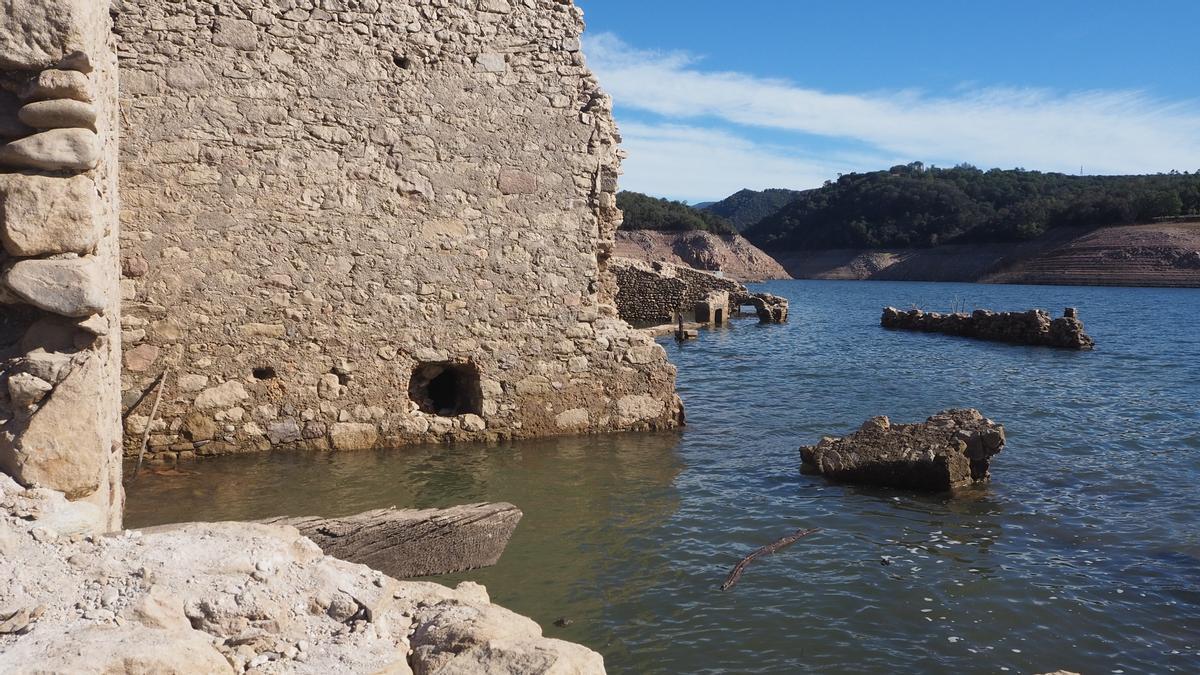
[1083, 554]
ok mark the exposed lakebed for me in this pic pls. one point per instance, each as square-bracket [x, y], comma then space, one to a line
[1082, 554]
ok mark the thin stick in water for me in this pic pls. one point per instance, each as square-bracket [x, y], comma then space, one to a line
[779, 545]
[162, 384]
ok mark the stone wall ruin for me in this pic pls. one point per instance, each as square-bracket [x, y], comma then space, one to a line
[1033, 327]
[324, 202]
[59, 324]
[656, 293]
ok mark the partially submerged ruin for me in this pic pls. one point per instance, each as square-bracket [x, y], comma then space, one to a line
[951, 449]
[658, 293]
[1034, 327]
[371, 224]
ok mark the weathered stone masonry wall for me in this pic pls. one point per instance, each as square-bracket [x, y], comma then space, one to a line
[651, 293]
[323, 198]
[59, 325]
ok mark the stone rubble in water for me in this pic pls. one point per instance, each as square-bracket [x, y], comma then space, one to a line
[951, 449]
[232, 598]
[1034, 327]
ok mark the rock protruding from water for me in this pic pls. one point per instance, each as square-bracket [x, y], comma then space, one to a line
[1034, 327]
[950, 450]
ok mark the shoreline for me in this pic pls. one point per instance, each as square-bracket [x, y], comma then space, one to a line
[1156, 256]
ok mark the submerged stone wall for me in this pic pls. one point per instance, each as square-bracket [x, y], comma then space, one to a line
[1034, 327]
[651, 293]
[353, 224]
[59, 325]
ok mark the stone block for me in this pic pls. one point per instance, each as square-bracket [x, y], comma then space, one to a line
[39, 34]
[53, 150]
[62, 113]
[53, 83]
[72, 287]
[141, 358]
[225, 395]
[236, 33]
[42, 215]
[517, 182]
[491, 62]
[353, 436]
[65, 447]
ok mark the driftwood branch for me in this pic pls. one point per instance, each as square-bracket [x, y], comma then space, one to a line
[410, 543]
[162, 384]
[779, 545]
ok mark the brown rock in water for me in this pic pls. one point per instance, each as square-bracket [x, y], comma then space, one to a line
[952, 449]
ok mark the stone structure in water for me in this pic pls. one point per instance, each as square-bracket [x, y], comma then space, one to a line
[59, 325]
[1034, 327]
[356, 224]
[656, 293]
[951, 449]
[365, 224]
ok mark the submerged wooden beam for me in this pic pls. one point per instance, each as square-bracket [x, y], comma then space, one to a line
[414, 543]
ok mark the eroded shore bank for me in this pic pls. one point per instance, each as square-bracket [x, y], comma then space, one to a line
[1166, 255]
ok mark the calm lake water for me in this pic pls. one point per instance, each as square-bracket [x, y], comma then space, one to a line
[1082, 554]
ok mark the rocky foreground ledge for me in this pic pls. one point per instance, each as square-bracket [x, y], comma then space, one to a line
[951, 449]
[235, 598]
[1034, 327]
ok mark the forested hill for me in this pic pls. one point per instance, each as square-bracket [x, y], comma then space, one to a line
[915, 206]
[747, 207]
[648, 213]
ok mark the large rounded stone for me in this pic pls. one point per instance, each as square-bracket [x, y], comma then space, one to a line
[54, 150]
[53, 83]
[72, 287]
[41, 215]
[62, 113]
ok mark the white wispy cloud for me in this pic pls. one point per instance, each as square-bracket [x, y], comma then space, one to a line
[1102, 131]
[698, 163]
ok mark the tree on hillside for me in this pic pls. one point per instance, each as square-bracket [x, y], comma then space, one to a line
[649, 213]
[913, 205]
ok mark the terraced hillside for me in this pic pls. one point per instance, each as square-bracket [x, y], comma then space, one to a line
[1133, 255]
[1137, 255]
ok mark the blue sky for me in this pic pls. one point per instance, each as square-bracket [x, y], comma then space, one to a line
[713, 96]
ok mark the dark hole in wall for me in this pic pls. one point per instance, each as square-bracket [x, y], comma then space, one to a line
[264, 373]
[402, 61]
[446, 389]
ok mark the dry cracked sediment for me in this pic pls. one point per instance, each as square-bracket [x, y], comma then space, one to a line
[235, 598]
